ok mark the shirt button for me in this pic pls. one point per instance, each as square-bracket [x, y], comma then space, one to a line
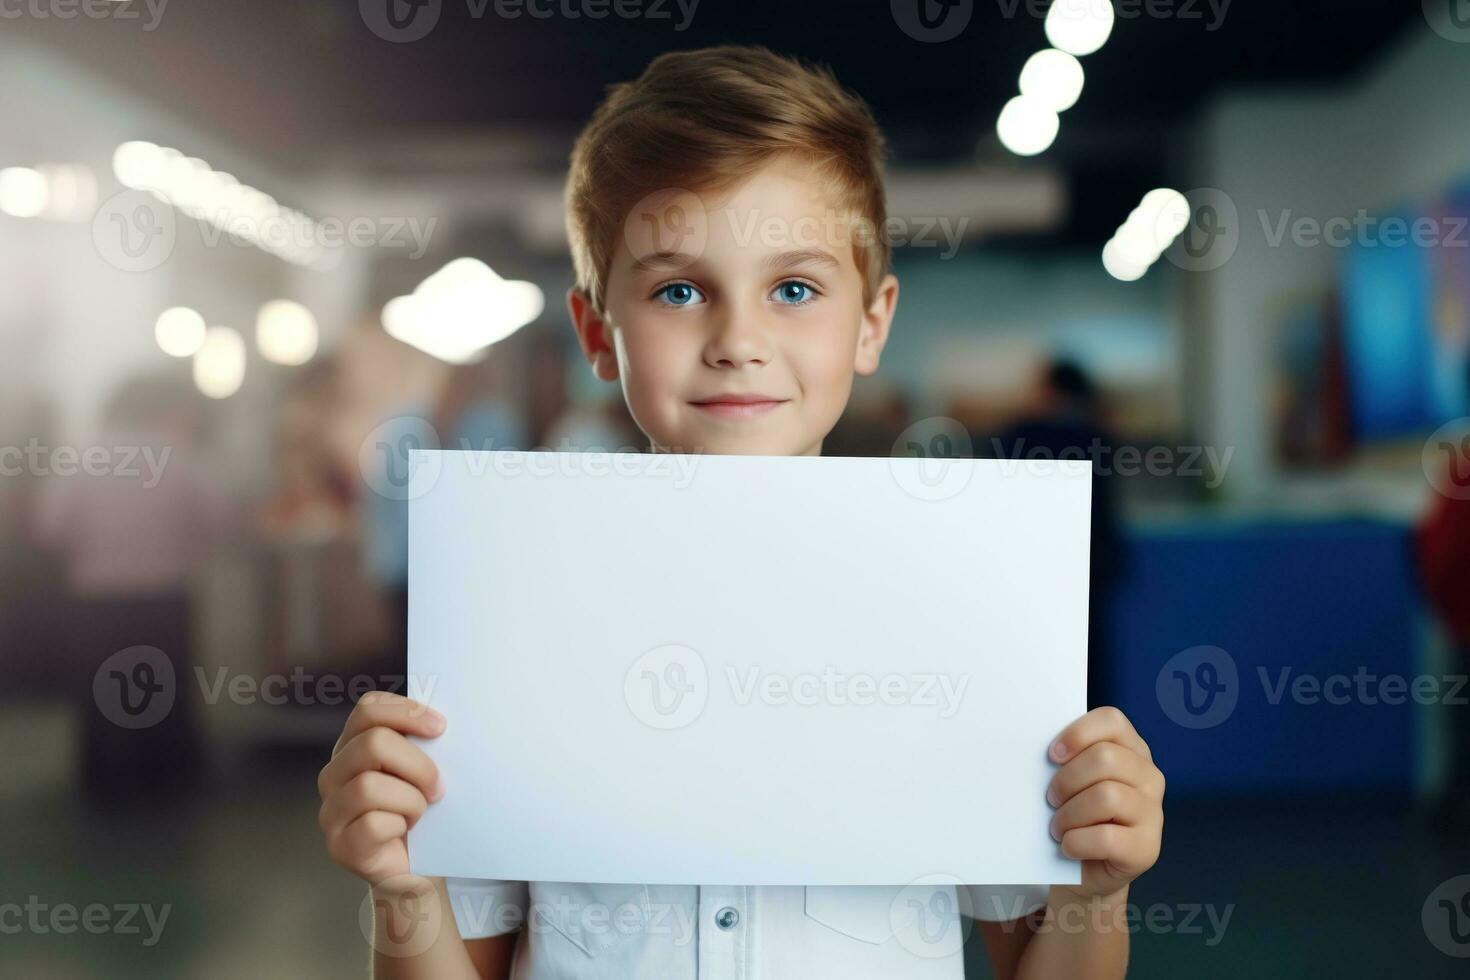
[727, 918]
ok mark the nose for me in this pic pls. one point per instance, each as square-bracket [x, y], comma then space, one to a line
[737, 338]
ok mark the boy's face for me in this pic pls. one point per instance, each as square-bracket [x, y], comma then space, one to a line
[746, 340]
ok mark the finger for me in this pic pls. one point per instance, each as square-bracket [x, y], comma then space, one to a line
[372, 830]
[1104, 802]
[1098, 725]
[384, 709]
[1104, 760]
[385, 750]
[372, 790]
[1123, 849]
[355, 846]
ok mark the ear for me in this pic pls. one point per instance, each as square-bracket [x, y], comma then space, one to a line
[594, 335]
[873, 334]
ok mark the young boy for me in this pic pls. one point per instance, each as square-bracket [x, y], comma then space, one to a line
[725, 212]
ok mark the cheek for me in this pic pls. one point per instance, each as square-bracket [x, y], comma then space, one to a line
[823, 357]
[652, 358]
[653, 368]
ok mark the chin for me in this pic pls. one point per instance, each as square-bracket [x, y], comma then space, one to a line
[738, 444]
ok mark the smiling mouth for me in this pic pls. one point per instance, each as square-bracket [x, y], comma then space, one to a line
[739, 406]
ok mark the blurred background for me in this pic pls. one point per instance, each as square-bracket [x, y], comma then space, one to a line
[252, 253]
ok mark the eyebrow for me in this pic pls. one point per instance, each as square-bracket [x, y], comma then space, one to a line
[790, 260]
[780, 262]
[664, 261]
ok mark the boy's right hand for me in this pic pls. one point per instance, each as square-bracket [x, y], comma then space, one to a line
[378, 784]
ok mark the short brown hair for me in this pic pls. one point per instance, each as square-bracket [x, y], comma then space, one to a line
[703, 121]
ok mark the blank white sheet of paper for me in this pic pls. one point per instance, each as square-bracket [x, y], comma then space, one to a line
[746, 670]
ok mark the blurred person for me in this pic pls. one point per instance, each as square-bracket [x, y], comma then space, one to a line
[386, 393]
[468, 412]
[323, 611]
[131, 539]
[745, 349]
[1064, 419]
[472, 413]
[1442, 543]
[313, 496]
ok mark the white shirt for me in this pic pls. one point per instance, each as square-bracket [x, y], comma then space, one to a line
[684, 932]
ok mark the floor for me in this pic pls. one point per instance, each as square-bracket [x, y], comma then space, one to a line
[1331, 889]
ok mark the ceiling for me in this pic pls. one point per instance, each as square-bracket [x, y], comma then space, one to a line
[306, 81]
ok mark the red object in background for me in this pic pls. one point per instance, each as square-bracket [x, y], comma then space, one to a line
[1443, 546]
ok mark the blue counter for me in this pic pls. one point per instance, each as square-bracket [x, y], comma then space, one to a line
[1320, 599]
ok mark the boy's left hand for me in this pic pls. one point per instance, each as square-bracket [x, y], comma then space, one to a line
[1109, 797]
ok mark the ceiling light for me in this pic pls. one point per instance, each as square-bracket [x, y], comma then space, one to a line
[1079, 27]
[1053, 78]
[1026, 127]
[286, 332]
[219, 364]
[179, 331]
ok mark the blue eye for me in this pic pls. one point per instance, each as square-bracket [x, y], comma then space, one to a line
[678, 294]
[794, 293]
